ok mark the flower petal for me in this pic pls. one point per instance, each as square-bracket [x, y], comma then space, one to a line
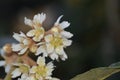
[2, 63]
[49, 48]
[17, 37]
[28, 22]
[64, 24]
[59, 50]
[39, 18]
[41, 61]
[67, 42]
[25, 42]
[16, 73]
[16, 47]
[2, 52]
[54, 56]
[7, 68]
[40, 50]
[66, 34]
[64, 57]
[48, 38]
[23, 51]
[49, 67]
[22, 34]
[31, 33]
[43, 17]
[23, 77]
[58, 20]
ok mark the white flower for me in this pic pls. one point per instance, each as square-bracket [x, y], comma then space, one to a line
[59, 27]
[22, 69]
[25, 43]
[42, 71]
[54, 46]
[38, 31]
[37, 20]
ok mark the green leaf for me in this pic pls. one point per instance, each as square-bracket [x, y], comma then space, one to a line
[99, 73]
[115, 65]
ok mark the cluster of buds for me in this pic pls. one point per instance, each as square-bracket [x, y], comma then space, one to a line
[41, 43]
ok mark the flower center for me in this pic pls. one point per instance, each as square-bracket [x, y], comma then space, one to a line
[39, 31]
[55, 29]
[57, 41]
[41, 71]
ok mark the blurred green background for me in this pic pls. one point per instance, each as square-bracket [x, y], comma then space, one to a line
[94, 23]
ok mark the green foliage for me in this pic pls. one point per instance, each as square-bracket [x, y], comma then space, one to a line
[99, 73]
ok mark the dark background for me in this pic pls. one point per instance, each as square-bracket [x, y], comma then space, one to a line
[94, 23]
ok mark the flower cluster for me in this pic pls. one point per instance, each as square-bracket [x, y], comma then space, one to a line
[42, 44]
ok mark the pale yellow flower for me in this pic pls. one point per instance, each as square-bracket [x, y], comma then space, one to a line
[38, 31]
[54, 46]
[59, 28]
[42, 71]
[25, 43]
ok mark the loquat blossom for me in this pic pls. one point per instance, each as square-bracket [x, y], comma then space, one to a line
[59, 28]
[42, 71]
[21, 69]
[54, 46]
[49, 43]
[38, 31]
[25, 43]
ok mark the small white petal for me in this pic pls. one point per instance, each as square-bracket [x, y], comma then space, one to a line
[25, 42]
[23, 51]
[67, 42]
[23, 77]
[50, 67]
[43, 17]
[17, 37]
[64, 24]
[2, 63]
[39, 18]
[41, 61]
[31, 33]
[28, 22]
[16, 47]
[58, 20]
[54, 56]
[22, 34]
[40, 50]
[66, 34]
[64, 57]
[7, 68]
[48, 38]
[16, 73]
[49, 48]
[59, 50]
[2, 53]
